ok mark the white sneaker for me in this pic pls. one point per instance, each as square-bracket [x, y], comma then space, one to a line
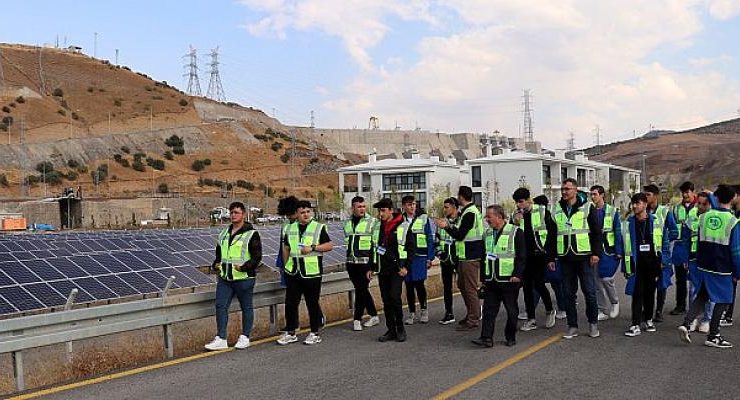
[693, 325]
[287, 338]
[650, 326]
[371, 322]
[242, 343]
[424, 316]
[217, 344]
[530, 325]
[357, 325]
[593, 330]
[523, 316]
[550, 321]
[725, 322]
[410, 319]
[614, 313]
[312, 338]
[704, 327]
[561, 315]
[633, 331]
[684, 334]
[602, 316]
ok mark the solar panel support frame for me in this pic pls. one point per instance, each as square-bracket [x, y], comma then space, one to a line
[68, 306]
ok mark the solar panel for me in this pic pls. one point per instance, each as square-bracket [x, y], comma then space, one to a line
[20, 298]
[156, 279]
[5, 307]
[5, 279]
[45, 294]
[66, 267]
[195, 275]
[110, 262]
[137, 281]
[18, 272]
[65, 288]
[117, 285]
[43, 269]
[90, 266]
[95, 288]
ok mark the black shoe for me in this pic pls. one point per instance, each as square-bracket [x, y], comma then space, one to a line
[401, 335]
[677, 311]
[483, 342]
[510, 342]
[658, 316]
[388, 336]
[448, 319]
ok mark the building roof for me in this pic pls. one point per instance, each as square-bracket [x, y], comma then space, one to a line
[418, 164]
[514, 156]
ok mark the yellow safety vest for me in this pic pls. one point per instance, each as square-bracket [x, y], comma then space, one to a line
[233, 254]
[575, 225]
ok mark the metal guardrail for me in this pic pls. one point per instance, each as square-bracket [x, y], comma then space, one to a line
[34, 331]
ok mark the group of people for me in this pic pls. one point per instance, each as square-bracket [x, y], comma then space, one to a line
[575, 242]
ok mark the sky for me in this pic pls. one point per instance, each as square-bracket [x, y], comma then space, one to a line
[620, 67]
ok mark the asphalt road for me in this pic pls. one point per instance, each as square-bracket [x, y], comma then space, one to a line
[437, 358]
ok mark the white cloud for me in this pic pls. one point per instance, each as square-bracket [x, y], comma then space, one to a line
[724, 9]
[587, 63]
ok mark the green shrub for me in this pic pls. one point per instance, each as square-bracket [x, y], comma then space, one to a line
[245, 184]
[20, 100]
[7, 120]
[174, 141]
[117, 157]
[158, 165]
[82, 169]
[54, 177]
[4, 181]
[72, 163]
[168, 155]
[72, 175]
[183, 102]
[162, 188]
[285, 158]
[276, 146]
[62, 112]
[75, 116]
[45, 167]
[179, 150]
[117, 102]
[137, 165]
[125, 149]
[58, 92]
[90, 89]
[3, 127]
[32, 180]
[207, 161]
[6, 109]
[198, 165]
[124, 163]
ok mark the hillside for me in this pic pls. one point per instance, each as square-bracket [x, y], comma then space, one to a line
[707, 155]
[80, 113]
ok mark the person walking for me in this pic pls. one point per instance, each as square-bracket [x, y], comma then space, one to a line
[682, 212]
[419, 244]
[667, 222]
[448, 257]
[358, 231]
[238, 254]
[607, 217]
[304, 242]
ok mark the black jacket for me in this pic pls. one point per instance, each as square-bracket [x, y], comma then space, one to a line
[254, 246]
[390, 262]
[594, 227]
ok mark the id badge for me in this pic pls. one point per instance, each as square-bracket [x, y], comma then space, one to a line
[644, 247]
[568, 223]
[449, 242]
[381, 250]
[491, 256]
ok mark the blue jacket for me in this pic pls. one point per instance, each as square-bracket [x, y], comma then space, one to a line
[665, 246]
[720, 287]
[609, 263]
[418, 268]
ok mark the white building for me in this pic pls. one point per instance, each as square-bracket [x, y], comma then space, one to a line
[495, 177]
[394, 178]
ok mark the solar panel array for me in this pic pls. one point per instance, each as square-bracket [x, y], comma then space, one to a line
[38, 271]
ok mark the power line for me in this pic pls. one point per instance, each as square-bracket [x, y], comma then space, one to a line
[192, 74]
[215, 89]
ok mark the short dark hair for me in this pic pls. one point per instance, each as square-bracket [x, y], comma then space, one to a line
[465, 192]
[357, 199]
[570, 180]
[686, 186]
[703, 194]
[303, 204]
[497, 209]
[597, 188]
[724, 193]
[287, 206]
[237, 204]
[453, 201]
[638, 197]
[521, 194]
[408, 199]
[651, 188]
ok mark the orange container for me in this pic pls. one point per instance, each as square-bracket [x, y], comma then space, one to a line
[14, 224]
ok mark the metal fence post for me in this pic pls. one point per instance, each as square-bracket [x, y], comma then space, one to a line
[68, 306]
[20, 383]
[169, 346]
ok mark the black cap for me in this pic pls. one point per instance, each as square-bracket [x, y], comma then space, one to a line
[384, 203]
[652, 188]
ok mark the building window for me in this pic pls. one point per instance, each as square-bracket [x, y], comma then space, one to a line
[563, 174]
[405, 182]
[478, 199]
[581, 177]
[476, 178]
[546, 177]
[366, 183]
[421, 199]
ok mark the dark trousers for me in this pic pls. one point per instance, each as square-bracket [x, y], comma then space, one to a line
[731, 308]
[310, 289]
[697, 307]
[497, 293]
[390, 291]
[448, 270]
[643, 298]
[363, 298]
[681, 286]
[660, 301]
[414, 288]
[573, 272]
[534, 281]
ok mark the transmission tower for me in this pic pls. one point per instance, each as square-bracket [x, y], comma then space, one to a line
[313, 120]
[528, 131]
[597, 138]
[192, 73]
[2, 76]
[215, 90]
[571, 143]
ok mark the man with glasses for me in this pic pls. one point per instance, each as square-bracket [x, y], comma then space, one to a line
[607, 217]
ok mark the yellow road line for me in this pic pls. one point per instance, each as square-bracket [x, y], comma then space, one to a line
[467, 384]
[146, 368]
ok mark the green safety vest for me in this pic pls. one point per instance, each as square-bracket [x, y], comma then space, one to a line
[607, 230]
[446, 244]
[657, 234]
[376, 243]
[500, 254]
[539, 226]
[661, 214]
[681, 215]
[575, 225]
[308, 265]
[236, 253]
[417, 230]
[475, 234]
[287, 264]
[358, 240]
[693, 224]
[716, 227]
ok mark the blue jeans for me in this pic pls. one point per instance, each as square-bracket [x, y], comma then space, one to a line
[573, 272]
[225, 291]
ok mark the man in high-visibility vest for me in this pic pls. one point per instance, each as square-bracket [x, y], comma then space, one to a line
[390, 263]
[682, 213]
[502, 272]
[448, 257]
[303, 244]
[238, 254]
[540, 233]
[287, 208]
[608, 219]
[419, 244]
[469, 247]
[358, 232]
[643, 238]
[727, 318]
[578, 246]
[690, 239]
[718, 265]
[666, 220]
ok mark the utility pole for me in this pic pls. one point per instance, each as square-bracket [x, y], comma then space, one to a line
[644, 170]
[42, 85]
[528, 131]
[192, 72]
[571, 142]
[24, 188]
[151, 118]
[95, 46]
[313, 121]
[597, 133]
[2, 76]
[292, 157]
[215, 89]
[116, 56]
